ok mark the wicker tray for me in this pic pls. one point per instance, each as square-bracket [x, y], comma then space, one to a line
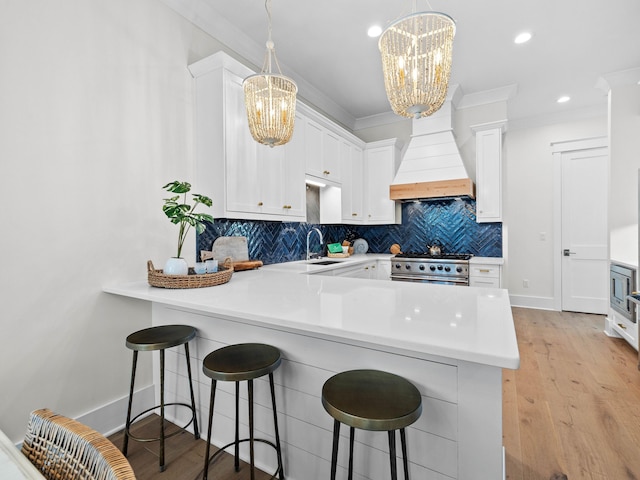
[192, 280]
[337, 255]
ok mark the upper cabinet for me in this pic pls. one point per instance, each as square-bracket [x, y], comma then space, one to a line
[352, 160]
[489, 171]
[243, 178]
[380, 164]
[322, 150]
[247, 180]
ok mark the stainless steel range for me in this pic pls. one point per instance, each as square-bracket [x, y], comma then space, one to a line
[444, 268]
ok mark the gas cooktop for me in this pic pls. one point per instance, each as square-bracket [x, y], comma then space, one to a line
[441, 256]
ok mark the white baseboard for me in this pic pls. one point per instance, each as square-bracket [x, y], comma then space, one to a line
[110, 418]
[539, 303]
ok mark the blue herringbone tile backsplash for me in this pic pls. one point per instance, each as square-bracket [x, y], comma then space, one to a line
[450, 222]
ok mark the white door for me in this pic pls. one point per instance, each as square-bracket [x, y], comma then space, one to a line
[584, 231]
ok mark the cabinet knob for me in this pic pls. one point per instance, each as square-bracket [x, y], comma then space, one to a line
[326, 172]
[286, 206]
[260, 204]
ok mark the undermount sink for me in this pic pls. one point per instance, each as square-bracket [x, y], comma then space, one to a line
[323, 262]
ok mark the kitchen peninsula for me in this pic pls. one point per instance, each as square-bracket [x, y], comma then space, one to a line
[451, 342]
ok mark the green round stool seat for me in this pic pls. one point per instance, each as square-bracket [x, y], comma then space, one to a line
[371, 400]
[237, 363]
[160, 338]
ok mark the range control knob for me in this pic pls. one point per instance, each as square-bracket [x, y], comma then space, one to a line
[458, 269]
[397, 265]
[447, 269]
[407, 266]
[432, 268]
[439, 267]
[421, 267]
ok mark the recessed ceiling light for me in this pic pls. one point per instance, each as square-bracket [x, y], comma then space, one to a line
[563, 99]
[523, 37]
[374, 31]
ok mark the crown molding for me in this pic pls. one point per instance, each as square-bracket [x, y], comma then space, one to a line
[495, 95]
[622, 78]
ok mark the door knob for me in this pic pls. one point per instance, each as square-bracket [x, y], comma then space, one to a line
[566, 252]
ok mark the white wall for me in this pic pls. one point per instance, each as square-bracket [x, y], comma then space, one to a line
[96, 117]
[624, 136]
[529, 206]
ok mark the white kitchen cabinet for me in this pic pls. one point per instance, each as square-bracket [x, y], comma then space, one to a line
[371, 269]
[322, 150]
[485, 275]
[380, 164]
[362, 270]
[352, 158]
[383, 270]
[243, 178]
[489, 171]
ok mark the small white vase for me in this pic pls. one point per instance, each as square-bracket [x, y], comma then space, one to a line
[176, 266]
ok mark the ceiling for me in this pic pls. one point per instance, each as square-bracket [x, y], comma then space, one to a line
[324, 47]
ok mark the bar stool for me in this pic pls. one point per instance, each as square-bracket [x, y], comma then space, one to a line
[235, 363]
[371, 400]
[160, 338]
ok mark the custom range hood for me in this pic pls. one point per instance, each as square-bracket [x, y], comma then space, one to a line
[431, 166]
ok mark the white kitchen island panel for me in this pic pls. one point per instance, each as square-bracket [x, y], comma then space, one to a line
[451, 342]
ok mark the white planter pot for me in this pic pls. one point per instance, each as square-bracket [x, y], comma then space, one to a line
[176, 266]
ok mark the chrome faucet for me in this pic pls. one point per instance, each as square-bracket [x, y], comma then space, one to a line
[315, 255]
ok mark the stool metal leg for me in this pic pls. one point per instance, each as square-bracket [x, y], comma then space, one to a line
[162, 410]
[352, 431]
[334, 452]
[275, 425]
[125, 443]
[251, 452]
[209, 430]
[196, 432]
[236, 462]
[392, 454]
[405, 462]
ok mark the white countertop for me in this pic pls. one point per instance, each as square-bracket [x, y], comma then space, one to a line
[13, 464]
[463, 323]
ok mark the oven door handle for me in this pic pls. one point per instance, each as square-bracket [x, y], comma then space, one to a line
[417, 278]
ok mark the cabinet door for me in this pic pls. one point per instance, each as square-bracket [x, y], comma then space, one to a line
[481, 275]
[379, 171]
[269, 172]
[357, 271]
[313, 149]
[352, 180]
[331, 157]
[384, 270]
[293, 189]
[489, 175]
[243, 186]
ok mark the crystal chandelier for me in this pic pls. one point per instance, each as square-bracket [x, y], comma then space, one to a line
[270, 100]
[416, 62]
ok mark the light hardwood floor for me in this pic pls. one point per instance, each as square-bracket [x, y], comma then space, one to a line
[572, 410]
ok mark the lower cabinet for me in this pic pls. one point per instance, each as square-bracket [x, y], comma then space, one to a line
[485, 275]
[374, 269]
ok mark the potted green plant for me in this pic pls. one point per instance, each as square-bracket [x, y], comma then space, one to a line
[182, 214]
